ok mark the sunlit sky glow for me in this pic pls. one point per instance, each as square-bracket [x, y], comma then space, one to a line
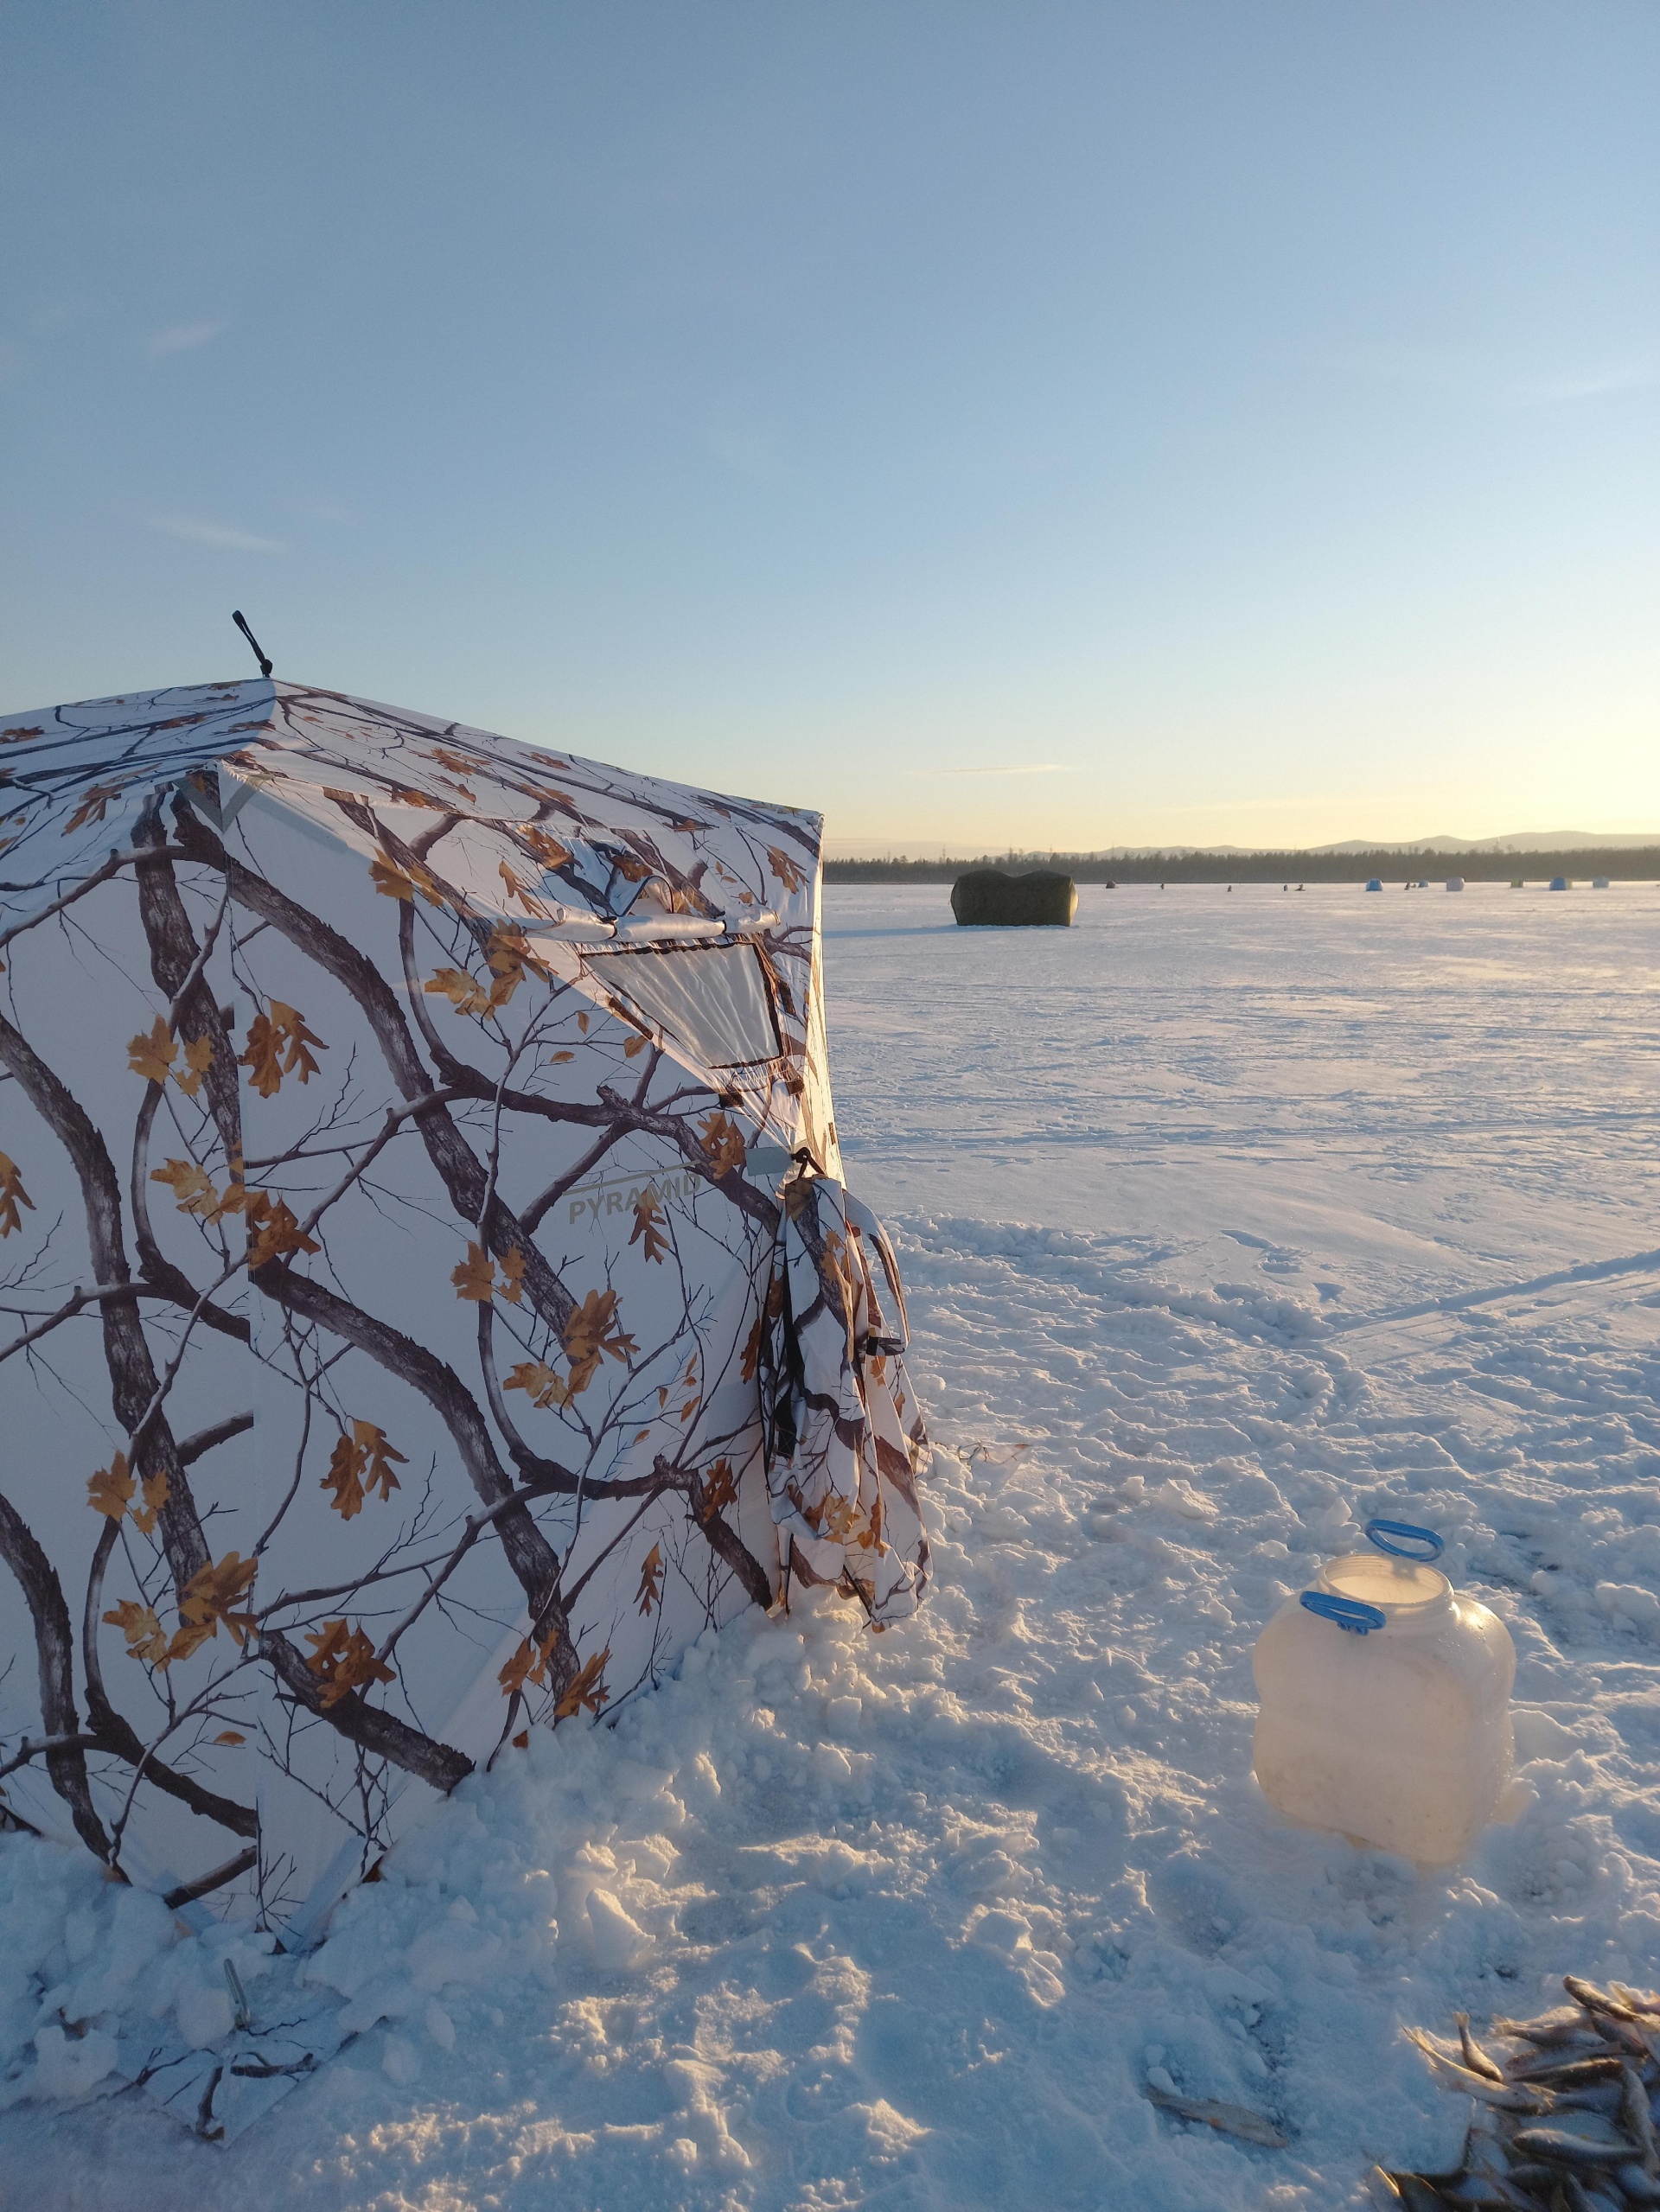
[1024, 424]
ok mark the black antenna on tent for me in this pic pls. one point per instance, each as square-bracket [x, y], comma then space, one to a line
[237, 618]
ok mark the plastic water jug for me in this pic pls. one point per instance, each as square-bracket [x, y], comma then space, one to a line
[1385, 1710]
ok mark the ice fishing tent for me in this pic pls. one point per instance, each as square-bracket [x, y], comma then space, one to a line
[431, 1298]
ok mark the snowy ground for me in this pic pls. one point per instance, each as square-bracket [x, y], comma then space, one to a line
[1228, 1220]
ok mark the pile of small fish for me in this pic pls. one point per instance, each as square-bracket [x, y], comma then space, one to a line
[1566, 2110]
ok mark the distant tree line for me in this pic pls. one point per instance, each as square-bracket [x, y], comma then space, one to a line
[1631, 863]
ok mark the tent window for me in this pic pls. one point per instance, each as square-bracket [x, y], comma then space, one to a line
[715, 1000]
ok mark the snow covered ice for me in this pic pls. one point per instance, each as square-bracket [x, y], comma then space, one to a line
[1227, 1222]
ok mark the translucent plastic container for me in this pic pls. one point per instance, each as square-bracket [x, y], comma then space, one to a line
[1385, 1711]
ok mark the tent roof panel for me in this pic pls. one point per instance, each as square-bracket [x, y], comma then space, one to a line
[537, 829]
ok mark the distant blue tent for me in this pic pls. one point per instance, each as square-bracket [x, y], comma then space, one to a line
[1598, 882]
[1560, 884]
[1374, 885]
[1455, 883]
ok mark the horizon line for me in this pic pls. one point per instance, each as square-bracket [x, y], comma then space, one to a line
[933, 852]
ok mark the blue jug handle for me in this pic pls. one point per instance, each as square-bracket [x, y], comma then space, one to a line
[1379, 1533]
[1348, 1612]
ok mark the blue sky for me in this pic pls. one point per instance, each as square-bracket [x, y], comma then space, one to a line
[1024, 423]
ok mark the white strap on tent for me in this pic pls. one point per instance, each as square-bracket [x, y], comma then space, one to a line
[666, 928]
[656, 929]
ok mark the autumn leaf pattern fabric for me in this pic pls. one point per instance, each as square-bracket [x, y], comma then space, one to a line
[392, 1292]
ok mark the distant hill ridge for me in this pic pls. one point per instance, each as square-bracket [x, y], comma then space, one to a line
[1518, 841]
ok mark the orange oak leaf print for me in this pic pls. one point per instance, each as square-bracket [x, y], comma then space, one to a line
[146, 1638]
[345, 1659]
[155, 1488]
[12, 1196]
[543, 1384]
[279, 1044]
[722, 1141]
[511, 956]
[464, 994]
[592, 1329]
[192, 1188]
[648, 1221]
[587, 1689]
[93, 806]
[475, 1277]
[152, 1055]
[198, 1059]
[273, 1233]
[719, 1488]
[211, 1595]
[382, 1456]
[110, 1490]
[789, 873]
[548, 850]
[394, 881]
[365, 1452]
[518, 888]
[650, 1592]
[528, 1664]
[346, 1465]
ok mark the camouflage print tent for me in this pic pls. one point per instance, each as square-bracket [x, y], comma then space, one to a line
[430, 1299]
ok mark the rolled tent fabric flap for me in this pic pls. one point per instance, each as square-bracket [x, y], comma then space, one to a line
[380, 1378]
[845, 1440]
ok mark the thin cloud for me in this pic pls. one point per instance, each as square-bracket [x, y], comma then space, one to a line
[1484, 379]
[216, 533]
[183, 338]
[1620, 376]
[1022, 767]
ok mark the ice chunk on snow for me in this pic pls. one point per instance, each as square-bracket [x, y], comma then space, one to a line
[1179, 1496]
[1540, 1736]
[205, 2016]
[1002, 1931]
[69, 2066]
[891, 2132]
[400, 2060]
[1628, 1600]
[452, 1951]
[615, 1940]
